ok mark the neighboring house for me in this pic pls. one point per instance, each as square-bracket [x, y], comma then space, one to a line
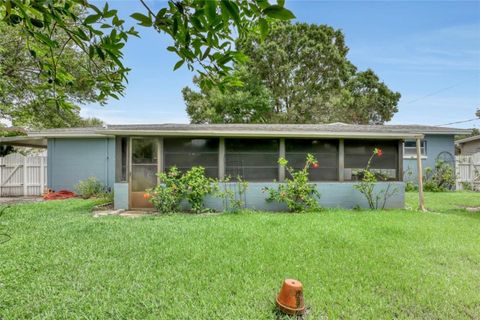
[127, 157]
[468, 146]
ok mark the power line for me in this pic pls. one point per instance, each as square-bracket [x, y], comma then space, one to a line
[435, 92]
[447, 124]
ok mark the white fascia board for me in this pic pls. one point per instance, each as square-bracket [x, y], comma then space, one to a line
[270, 134]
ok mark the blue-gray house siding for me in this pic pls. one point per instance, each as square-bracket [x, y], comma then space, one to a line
[435, 145]
[73, 159]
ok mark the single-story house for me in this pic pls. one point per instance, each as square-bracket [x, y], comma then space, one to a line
[127, 157]
[468, 146]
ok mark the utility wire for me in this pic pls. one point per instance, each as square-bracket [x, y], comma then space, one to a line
[435, 92]
[447, 124]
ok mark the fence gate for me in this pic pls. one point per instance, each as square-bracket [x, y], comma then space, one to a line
[22, 175]
[468, 172]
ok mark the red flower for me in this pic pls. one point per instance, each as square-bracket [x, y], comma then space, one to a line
[146, 196]
[315, 165]
[378, 152]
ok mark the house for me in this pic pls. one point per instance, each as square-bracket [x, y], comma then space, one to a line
[127, 157]
[468, 146]
[438, 144]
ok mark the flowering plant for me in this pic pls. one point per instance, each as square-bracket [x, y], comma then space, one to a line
[297, 193]
[367, 185]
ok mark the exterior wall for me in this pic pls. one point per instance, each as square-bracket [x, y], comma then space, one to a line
[333, 195]
[73, 159]
[435, 145]
[469, 148]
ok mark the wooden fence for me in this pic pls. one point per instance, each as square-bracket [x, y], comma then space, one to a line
[468, 172]
[22, 175]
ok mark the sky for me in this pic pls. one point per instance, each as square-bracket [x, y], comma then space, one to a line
[429, 51]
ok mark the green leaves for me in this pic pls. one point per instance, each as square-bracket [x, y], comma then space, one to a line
[143, 20]
[278, 12]
[178, 64]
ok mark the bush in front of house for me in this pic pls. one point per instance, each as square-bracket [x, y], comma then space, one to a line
[166, 197]
[196, 186]
[91, 188]
[439, 179]
[192, 186]
[375, 200]
[297, 193]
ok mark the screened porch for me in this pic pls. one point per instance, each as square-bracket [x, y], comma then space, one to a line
[252, 159]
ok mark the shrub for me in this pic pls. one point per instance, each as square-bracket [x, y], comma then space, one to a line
[367, 185]
[196, 186]
[233, 194]
[192, 186]
[90, 187]
[167, 196]
[439, 179]
[297, 193]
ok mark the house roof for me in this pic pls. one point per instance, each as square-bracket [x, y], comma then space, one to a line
[267, 130]
[334, 130]
[468, 139]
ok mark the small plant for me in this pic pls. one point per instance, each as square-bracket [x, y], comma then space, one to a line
[90, 188]
[192, 186]
[233, 195]
[196, 186]
[410, 186]
[367, 185]
[297, 193]
[167, 196]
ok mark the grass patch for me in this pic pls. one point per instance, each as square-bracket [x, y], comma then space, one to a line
[63, 263]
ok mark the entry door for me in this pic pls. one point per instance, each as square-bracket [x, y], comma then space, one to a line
[144, 163]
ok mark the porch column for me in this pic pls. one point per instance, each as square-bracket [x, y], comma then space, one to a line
[221, 159]
[281, 169]
[421, 199]
[341, 160]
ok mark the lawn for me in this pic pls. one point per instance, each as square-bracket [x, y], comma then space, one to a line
[63, 263]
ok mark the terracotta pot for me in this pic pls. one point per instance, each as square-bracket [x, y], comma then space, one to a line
[290, 298]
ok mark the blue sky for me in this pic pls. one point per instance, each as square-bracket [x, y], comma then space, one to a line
[429, 51]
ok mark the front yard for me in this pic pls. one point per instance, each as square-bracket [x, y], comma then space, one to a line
[63, 263]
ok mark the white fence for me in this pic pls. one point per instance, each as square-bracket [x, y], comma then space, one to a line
[468, 172]
[22, 175]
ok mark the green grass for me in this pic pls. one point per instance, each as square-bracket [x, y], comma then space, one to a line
[63, 263]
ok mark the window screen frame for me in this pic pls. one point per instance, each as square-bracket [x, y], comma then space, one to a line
[318, 155]
[229, 170]
[210, 170]
[413, 150]
[378, 164]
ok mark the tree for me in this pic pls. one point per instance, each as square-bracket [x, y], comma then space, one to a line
[306, 70]
[250, 103]
[202, 33]
[25, 98]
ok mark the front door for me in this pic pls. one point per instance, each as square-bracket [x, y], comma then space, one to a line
[144, 164]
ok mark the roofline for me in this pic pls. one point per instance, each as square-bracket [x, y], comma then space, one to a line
[452, 132]
[46, 134]
[24, 141]
[253, 133]
[468, 139]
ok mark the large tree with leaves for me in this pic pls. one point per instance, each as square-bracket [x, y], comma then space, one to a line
[202, 33]
[305, 69]
[26, 99]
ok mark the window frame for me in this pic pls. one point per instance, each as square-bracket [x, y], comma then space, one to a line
[166, 153]
[423, 150]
